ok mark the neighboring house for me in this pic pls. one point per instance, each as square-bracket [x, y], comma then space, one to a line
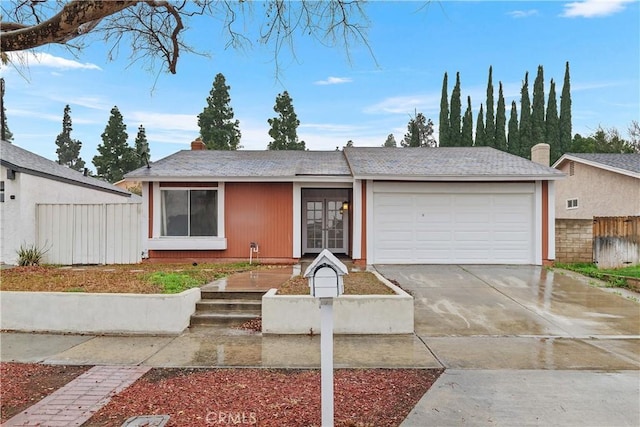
[598, 185]
[27, 181]
[375, 205]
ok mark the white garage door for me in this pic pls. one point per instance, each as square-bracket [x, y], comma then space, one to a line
[453, 223]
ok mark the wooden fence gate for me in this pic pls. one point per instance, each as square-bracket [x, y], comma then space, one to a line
[616, 241]
[90, 233]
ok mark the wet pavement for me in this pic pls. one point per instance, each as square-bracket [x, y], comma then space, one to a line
[521, 345]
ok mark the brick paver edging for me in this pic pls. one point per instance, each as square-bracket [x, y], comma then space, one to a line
[77, 401]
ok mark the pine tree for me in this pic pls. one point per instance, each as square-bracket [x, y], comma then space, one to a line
[480, 129]
[419, 132]
[513, 141]
[6, 133]
[552, 125]
[565, 137]
[443, 129]
[455, 115]
[68, 150]
[537, 110]
[390, 141]
[115, 157]
[501, 119]
[284, 126]
[524, 137]
[490, 124]
[466, 135]
[143, 152]
[217, 128]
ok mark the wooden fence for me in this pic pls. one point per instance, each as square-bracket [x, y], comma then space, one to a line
[616, 241]
[90, 233]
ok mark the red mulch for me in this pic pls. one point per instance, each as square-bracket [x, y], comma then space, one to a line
[260, 397]
[23, 384]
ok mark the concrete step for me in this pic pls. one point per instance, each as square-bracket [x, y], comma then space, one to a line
[231, 295]
[227, 305]
[221, 319]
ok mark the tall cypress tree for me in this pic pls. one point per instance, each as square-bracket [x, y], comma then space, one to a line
[115, 157]
[537, 110]
[490, 124]
[501, 121]
[552, 130]
[565, 136]
[480, 130]
[6, 133]
[455, 115]
[142, 147]
[513, 141]
[68, 150]
[524, 137]
[444, 115]
[466, 135]
[284, 126]
[217, 128]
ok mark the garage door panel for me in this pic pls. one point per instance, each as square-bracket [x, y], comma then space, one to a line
[453, 228]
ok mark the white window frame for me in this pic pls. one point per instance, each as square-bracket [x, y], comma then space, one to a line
[159, 242]
[572, 201]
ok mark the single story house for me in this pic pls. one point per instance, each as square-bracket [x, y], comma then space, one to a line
[374, 205]
[598, 185]
[28, 180]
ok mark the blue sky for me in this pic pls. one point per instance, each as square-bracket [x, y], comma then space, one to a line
[337, 94]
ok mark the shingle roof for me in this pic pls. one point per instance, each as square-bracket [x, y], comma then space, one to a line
[443, 162]
[625, 162]
[245, 164]
[21, 160]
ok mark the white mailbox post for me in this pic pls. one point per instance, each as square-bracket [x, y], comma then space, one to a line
[326, 282]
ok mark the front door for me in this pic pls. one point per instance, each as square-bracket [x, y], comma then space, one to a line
[325, 225]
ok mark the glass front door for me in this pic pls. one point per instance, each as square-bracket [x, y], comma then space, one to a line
[325, 226]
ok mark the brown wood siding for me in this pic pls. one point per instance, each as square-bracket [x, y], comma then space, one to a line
[261, 213]
[151, 210]
[545, 220]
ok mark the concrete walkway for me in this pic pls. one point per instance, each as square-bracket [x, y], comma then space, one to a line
[77, 401]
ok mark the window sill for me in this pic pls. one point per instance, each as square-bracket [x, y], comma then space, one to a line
[188, 243]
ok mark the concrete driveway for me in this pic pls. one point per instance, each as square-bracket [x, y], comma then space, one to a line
[524, 346]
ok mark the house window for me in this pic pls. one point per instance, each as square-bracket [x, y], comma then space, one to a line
[189, 213]
[572, 204]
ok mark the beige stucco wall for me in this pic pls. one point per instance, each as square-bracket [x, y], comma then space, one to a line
[599, 193]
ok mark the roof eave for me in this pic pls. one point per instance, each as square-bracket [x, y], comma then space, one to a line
[299, 178]
[65, 180]
[568, 157]
[461, 178]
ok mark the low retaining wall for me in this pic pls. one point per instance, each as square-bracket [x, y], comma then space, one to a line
[97, 313]
[352, 314]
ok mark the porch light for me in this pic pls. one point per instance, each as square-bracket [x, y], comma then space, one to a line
[345, 206]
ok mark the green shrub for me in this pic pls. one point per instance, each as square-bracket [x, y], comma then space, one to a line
[30, 254]
[173, 283]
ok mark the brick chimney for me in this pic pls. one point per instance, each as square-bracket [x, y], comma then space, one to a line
[540, 153]
[197, 144]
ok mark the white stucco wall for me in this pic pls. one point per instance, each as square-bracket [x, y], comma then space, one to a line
[97, 313]
[352, 314]
[18, 215]
[599, 193]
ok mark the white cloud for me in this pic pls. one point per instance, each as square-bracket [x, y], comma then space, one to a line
[42, 59]
[523, 13]
[593, 8]
[405, 104]
[163, 121]
[333, 81]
